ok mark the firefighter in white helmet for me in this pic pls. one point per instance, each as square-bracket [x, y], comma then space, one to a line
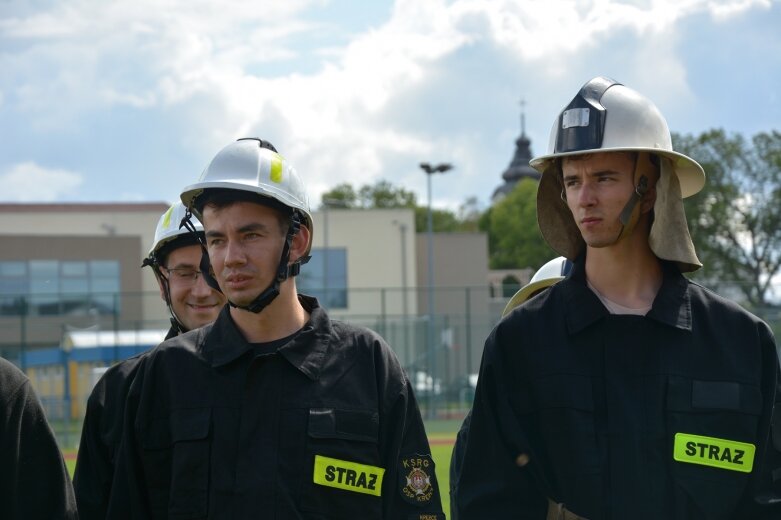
[625, 390]
[175, 258]
[275, 410]
[550, 273]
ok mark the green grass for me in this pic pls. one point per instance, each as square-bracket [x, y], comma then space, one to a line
[70, 460]
[441, 455]
[441, 435]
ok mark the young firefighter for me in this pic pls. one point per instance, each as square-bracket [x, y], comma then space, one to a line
[551, 272]
[175, 259]
[275, 411]
[625, 390]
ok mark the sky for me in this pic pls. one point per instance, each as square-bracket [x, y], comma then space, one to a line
[121, 101]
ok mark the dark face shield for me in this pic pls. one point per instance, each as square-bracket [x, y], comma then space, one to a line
[582, 122]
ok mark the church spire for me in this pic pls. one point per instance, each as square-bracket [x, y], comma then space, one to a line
[519, 165]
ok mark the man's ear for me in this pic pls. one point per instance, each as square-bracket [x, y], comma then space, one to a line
[650, 170]
[649, 199]
[160, 286]
[299, 244]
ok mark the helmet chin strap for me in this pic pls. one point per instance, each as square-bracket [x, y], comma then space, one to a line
[631, 212]
[153, 262]
[284, 271]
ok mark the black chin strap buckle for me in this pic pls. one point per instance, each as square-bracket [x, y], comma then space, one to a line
[640, 190]
[187, 222]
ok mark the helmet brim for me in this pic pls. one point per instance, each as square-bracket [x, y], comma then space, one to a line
[691, 176]
[526, 292]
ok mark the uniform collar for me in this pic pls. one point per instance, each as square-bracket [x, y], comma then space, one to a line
[172, 332]
[672, 305]
[306, 352]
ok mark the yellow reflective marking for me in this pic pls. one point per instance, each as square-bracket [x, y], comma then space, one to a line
[351, 476]
[717, 453]
[167, 217]
[276, 169]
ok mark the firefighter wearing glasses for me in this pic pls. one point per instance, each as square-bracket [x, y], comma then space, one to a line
[175, 258]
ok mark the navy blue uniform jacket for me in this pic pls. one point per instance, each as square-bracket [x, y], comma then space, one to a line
[323, 426]
[666, 415]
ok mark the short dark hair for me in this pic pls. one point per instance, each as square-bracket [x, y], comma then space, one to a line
[219, 198]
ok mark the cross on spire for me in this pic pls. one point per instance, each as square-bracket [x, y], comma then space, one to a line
[523, 116]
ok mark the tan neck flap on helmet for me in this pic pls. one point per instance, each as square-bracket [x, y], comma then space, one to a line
[669, 237]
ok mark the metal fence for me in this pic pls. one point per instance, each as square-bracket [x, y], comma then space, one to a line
[443, 374]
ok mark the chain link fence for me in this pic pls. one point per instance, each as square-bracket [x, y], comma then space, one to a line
[64, 355]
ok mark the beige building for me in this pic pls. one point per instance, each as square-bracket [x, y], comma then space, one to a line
[74, 266]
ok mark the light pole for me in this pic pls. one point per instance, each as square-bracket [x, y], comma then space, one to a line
[404, 308]
[431, 170]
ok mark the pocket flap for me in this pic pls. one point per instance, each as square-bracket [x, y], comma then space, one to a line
[189, 424]
[332, 423]
[688, 395]
[564, 391]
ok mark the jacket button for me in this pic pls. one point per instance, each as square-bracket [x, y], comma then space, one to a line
[522, 460]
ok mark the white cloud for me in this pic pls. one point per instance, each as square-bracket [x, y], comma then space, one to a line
[225, 69]
[725, 10]
[29, 182]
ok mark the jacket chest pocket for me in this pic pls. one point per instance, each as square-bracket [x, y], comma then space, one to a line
[564, 409]
[711, 430]
[176, 452]
[342, 472]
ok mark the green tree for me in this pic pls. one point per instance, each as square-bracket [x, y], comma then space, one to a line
[735, 220]
[469, 215]
[341, 196]
[442, 220]
[514, 239]
[383, 194]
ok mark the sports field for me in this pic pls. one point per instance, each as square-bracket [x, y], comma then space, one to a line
[441, 435]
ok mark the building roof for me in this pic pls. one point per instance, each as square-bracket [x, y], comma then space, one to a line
[518, 169]
[81, 207]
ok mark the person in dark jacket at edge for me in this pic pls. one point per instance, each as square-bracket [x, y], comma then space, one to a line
[175, 259]
[275, 411]
[34, 482]
[625, 390]
[547, 275]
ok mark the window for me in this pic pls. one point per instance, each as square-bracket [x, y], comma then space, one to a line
[325, 277]
[13, 285]
[104, 283]
[44, 287]
[510, 285]
[54, 287]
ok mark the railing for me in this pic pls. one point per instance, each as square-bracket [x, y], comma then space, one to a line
[439, 373]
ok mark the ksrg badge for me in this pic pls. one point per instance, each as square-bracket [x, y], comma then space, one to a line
[416, 478]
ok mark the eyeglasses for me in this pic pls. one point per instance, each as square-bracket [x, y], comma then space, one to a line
[183, 275]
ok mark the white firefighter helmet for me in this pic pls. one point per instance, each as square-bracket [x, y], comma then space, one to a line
[253, 165]
[550, 273]
[606, 116]
[168, 228]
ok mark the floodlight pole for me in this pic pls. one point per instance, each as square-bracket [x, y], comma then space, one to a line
[432, 353]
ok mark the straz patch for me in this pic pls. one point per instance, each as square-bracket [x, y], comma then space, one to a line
[416, 478]
[717, 453]
[350, 476]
